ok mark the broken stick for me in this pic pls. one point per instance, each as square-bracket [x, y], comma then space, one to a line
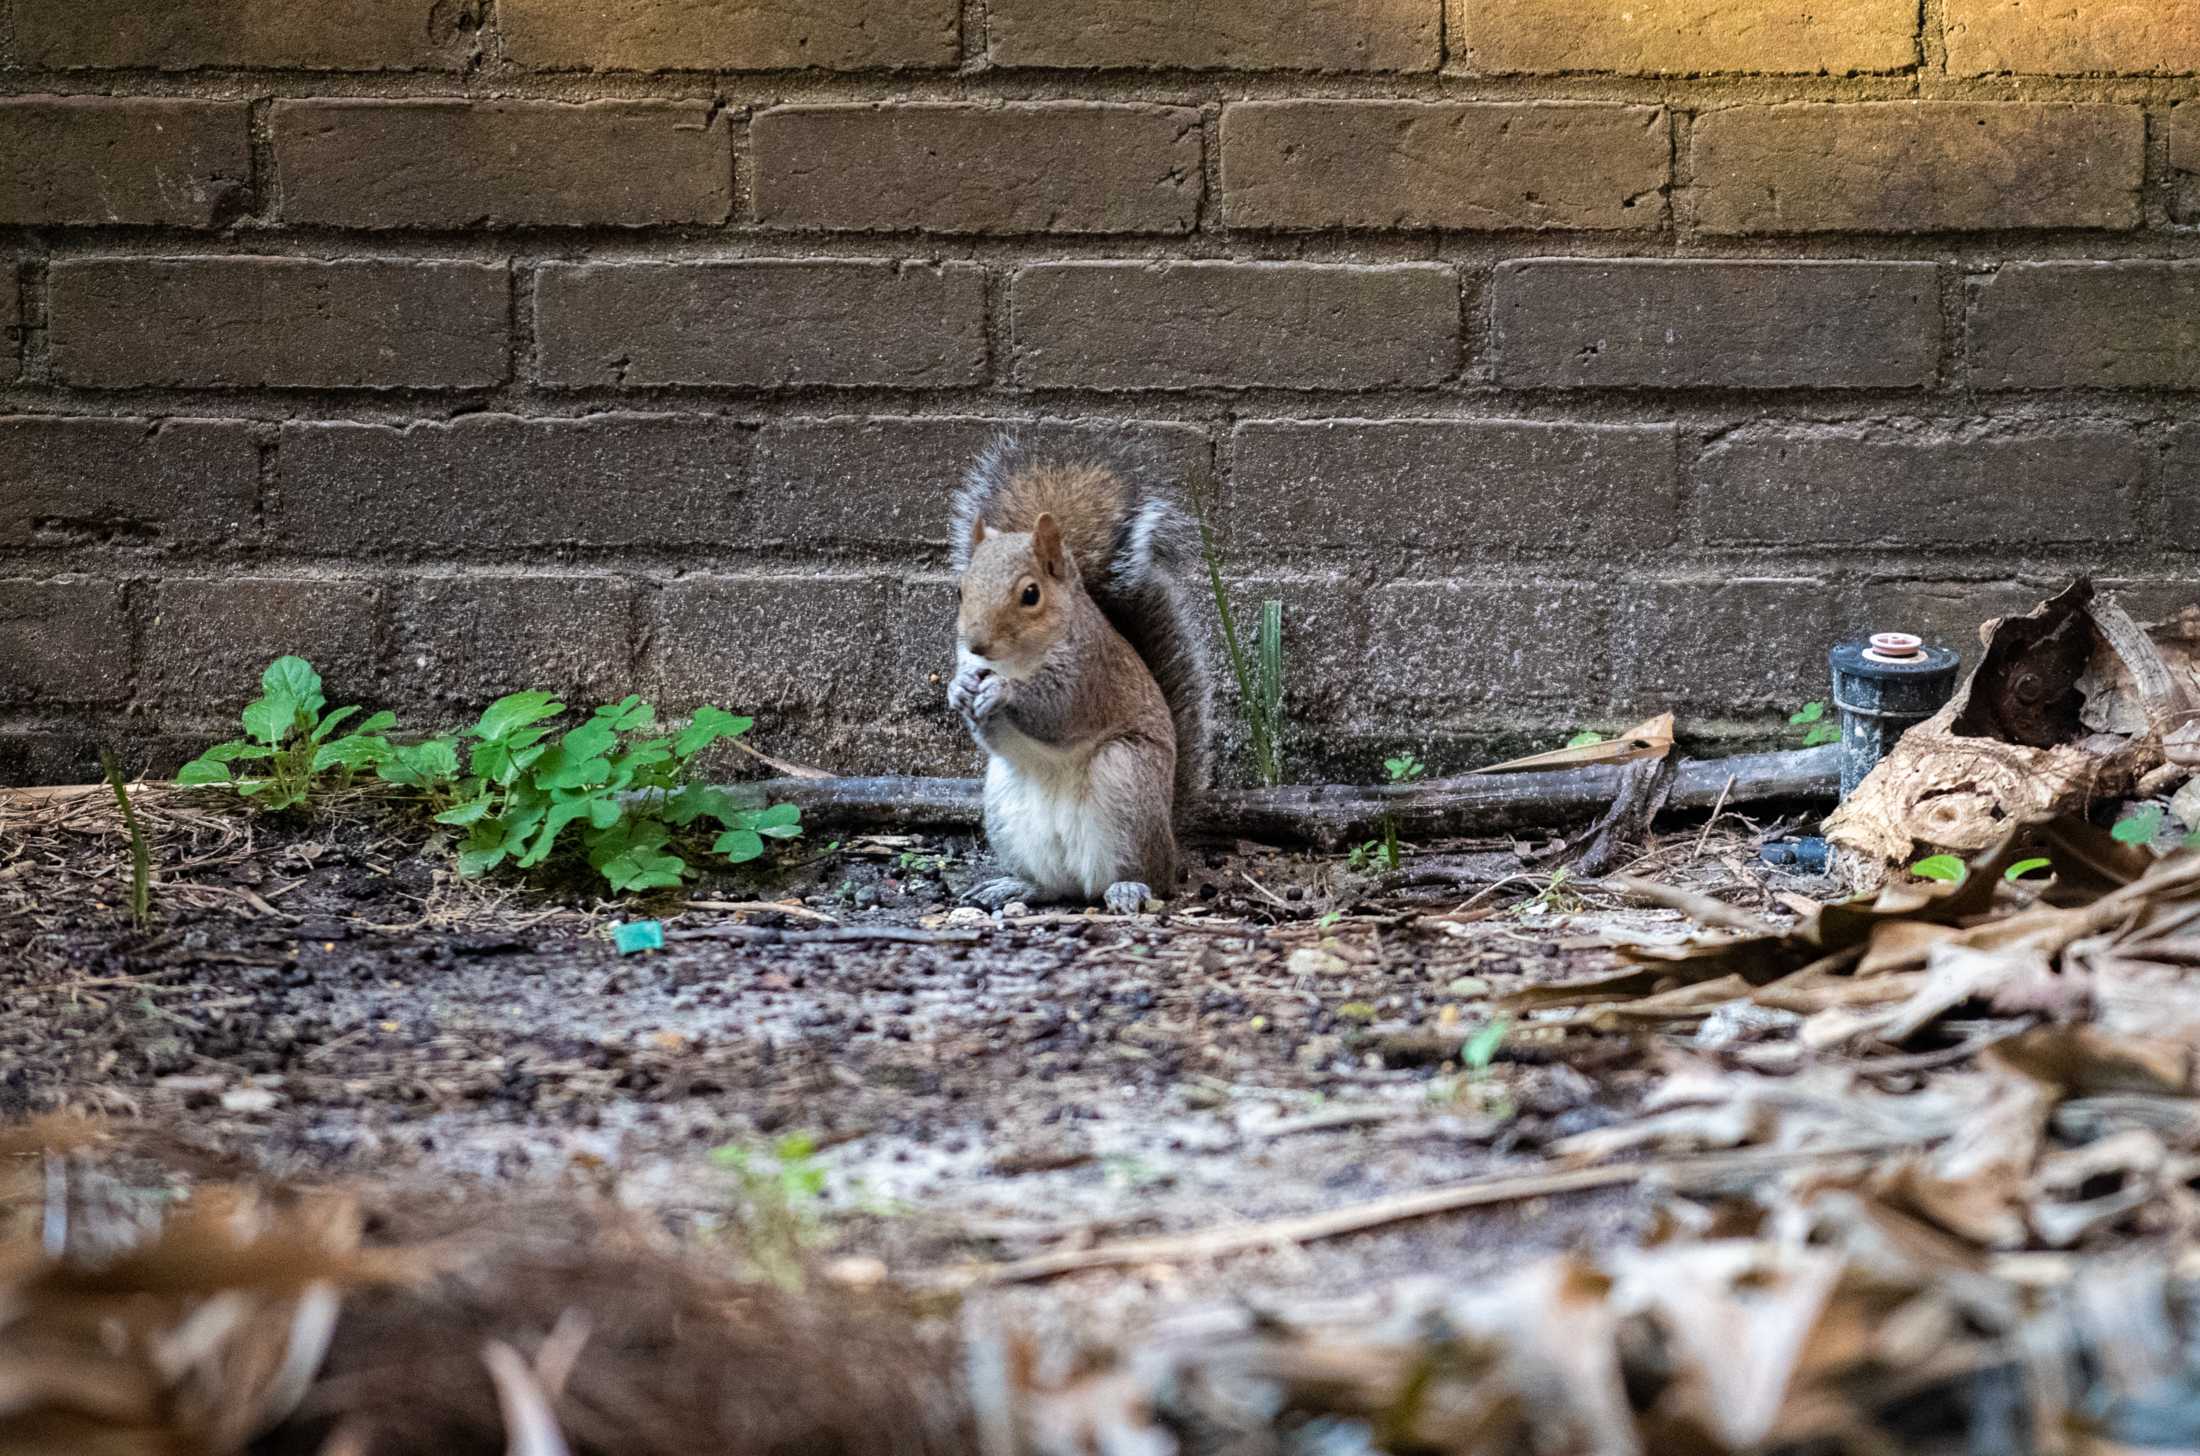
[1333, 814]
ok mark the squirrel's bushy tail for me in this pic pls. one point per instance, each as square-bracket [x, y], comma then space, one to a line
[1136, 545]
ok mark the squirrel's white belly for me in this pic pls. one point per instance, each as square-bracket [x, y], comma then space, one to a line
[1042, 823]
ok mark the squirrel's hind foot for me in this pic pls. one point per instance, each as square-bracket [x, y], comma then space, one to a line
[993, 894]
[1126, 897]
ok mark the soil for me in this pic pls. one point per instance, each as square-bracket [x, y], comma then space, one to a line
[322, 998]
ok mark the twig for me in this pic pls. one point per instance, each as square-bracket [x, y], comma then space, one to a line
[759, 907]
[830, 935]
[1398, 1208]
[1716, 810]
[791, 770]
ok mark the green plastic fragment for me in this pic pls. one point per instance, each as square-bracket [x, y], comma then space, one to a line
[638, 935]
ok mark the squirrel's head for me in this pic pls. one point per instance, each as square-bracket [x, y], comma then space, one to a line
[1017, 595]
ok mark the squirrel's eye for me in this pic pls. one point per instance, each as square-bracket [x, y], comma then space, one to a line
[1031, 594]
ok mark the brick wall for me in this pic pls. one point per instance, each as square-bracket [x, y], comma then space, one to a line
[1553, 360]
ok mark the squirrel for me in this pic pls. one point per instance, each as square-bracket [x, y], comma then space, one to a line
[1080, 670]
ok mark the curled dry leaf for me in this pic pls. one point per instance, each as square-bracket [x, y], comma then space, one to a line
[2070, 704]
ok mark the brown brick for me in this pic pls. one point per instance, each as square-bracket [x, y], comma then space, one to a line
[500, 483]
[444, 163]
[1659, 324]
[785, 643]
[465, 641]
[1325, 653]
[1686, 37]
[210, 640]
[1258, 35]
[1415, 164]
[2180, 128]
[1441, 645]
[288, 323]
[884, 482]
[1452, 487]
[64, 641]
[732, 35]
[1921, 485]
[2115, 37]
[1724, 644]
[2181, 488]
[2154, 603]
[1071, 166]
[133, 482]
[96, 159]
[181, 35]
[1907, 166]
[769, 324]
[1191, 325]
[1945, 613]
[2129, 325]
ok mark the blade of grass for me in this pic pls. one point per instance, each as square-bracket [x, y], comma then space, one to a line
[1270, 704]
[1247, 684]
[141, 855]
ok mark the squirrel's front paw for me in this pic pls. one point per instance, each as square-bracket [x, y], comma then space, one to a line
[1126, 897]
[975, 693]
[993, 894]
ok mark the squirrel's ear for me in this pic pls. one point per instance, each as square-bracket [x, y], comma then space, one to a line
[977, 532]
[1046, 544]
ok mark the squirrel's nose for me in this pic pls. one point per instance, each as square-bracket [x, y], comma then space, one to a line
[981, 649]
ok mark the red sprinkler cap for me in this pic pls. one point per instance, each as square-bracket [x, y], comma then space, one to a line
[1895, 647]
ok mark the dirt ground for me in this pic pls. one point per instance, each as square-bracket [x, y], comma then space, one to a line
[322, 999]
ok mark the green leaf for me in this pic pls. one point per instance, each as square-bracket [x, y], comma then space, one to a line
[1821, 733]
[560, 814]
[203, 771]
[707, 727]
[485, 848]
[691, 802]
[291, 677]
[2139, 826]
[1481, 1048]
[629, 713]
[1586, 738]
[234, 750]
[2024, 867]
[271, 719]
[739, 846]
[514, 711]
[467, 813]
[420, 764]
[353, 750]
[780, 821]
[1946, 868]
[381, 722]
[329, 724]
[1808, 713]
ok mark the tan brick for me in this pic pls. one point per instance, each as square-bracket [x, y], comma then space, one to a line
[784, 641]
[1454, 487]
[1686, 37]
[98, 159]
[1195, 325]
[1657, 323]
[282, 323]
[2073, 38]
[766, 324]
[1306, 35]
[180, 35]
[1433, 646]
[1413, 164]
[731, 35]
[1874, 486]
[450, 164]
[1907, 166]
[1067, 166]
[2124, 325]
